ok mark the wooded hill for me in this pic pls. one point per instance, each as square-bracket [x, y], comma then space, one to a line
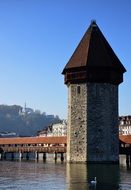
[24, 121]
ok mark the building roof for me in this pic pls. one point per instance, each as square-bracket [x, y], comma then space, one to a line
[94, 51]
[49, 140]
[34, 140]
[125, 139]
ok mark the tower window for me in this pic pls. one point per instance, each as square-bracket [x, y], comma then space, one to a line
[78, 89]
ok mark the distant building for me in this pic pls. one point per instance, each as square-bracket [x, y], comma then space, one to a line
[26, 111]
[50, 116]
[45, 132]
[58, 129]
[125, 125]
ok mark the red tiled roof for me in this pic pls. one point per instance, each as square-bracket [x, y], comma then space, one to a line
[125, 138]
[94, 51]
[33, 140]
[49, 140]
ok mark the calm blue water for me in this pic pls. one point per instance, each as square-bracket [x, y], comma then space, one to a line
[50, 176]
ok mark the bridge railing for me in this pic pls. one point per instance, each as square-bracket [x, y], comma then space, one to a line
[51, 149]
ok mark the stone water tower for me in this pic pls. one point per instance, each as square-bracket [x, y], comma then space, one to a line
[93, 75]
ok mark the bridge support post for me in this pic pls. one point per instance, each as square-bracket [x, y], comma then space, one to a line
[44, 156]
[4, 155]
[12, 155]
[127, 159]
[55, 156]
[130, 159]
[37, 155]
[62, 156]
[20, 155]
[27, 156]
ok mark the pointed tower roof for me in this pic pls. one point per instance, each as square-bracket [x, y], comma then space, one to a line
[93, 52]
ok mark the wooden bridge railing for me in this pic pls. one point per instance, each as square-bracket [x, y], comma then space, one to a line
[53, 149]
[33, 144]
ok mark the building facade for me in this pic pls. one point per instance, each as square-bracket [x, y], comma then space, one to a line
[125, 125]
[57, 129]
[93, 75]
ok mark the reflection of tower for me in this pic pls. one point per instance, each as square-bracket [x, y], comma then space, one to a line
[92, 75]
[106, 180]
[77, 176]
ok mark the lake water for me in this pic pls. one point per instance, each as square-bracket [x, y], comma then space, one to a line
[31, 175]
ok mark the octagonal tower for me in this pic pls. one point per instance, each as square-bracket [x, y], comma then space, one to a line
[93, 75]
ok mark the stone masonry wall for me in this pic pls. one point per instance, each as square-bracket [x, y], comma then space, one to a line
[92, 123]
[77, 123]
[102, 122]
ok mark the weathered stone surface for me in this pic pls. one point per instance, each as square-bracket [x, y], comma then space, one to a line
[77, 122]
[92, 123]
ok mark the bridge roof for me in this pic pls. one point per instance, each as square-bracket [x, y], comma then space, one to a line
[125, 139]
[49, 140]
[34, 140]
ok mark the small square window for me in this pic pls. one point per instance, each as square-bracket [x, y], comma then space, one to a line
[78, 89]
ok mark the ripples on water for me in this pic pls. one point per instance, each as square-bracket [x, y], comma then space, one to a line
[31, 175]
[50, 176]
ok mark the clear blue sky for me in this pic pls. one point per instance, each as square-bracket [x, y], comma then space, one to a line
[37, 38]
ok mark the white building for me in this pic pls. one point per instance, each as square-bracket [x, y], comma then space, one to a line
[45, 132]
[125, 125]
[58, 129]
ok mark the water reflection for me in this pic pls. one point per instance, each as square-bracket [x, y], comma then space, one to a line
[79, 176]
[107, 176]
[32, 176]
[53, 176]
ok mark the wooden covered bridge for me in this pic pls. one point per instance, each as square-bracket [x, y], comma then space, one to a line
[37, 145]
[50, 145]
[125, 147]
